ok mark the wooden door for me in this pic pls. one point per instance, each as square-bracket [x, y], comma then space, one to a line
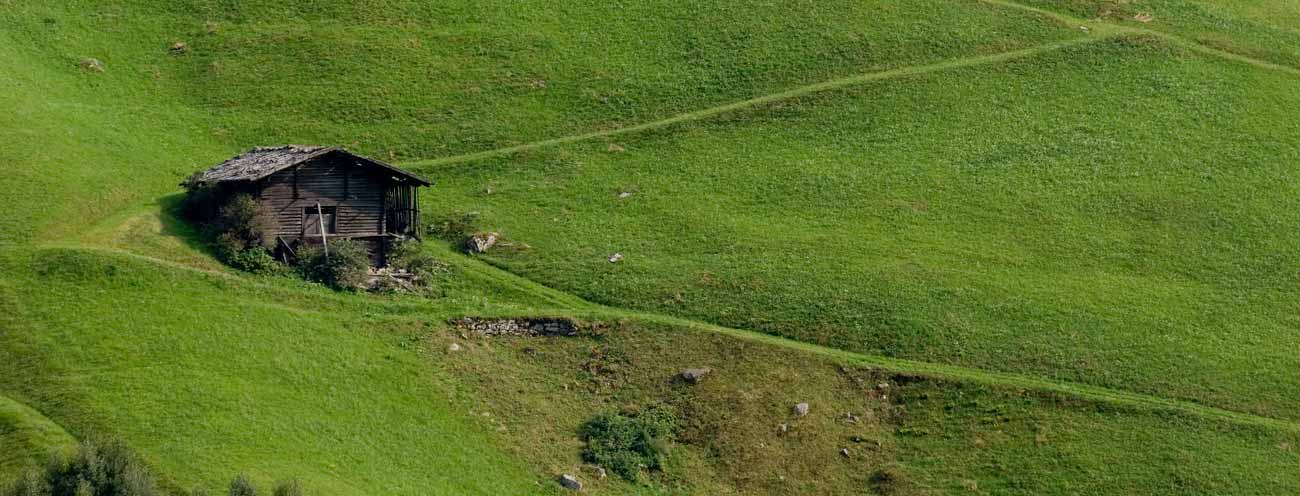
[314, 218]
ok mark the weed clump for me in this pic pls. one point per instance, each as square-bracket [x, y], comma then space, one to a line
[409, 256]
[242, 486]
[344, 265]
[628, 444]
[456, 228]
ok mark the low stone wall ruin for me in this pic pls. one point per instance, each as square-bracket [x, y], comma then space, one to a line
[523, 326]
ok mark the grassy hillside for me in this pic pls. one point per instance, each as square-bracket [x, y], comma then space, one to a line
[970, 185]
[1264, 29]
[1111, 213]
[404, 79]
[928, 436]
[213, 376]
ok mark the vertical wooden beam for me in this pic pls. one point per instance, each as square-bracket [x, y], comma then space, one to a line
[320, 220]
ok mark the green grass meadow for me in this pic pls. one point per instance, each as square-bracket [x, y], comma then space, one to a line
[1066, 193]
[1113, 213]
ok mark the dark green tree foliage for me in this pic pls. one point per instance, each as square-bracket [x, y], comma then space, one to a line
[628, 444]
[344, 266]
[97, 469]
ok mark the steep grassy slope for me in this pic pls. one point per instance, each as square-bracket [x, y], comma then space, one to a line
[1112, 213]
[211, 376]
[915, 435]
[402, 79]
[420, 79]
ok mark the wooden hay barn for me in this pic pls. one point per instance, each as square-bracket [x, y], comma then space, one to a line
[314, 194]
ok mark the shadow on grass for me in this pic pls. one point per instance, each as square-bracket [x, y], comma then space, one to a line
[174, 224]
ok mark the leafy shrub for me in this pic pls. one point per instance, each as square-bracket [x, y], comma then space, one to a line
[105, 468]
[288, 488]
[410, 255]
[244, 223]
[387, 285]
[454, 228]
[256, 260]
[241, 486]
[241, 230]
[626, 444]
[346, 266]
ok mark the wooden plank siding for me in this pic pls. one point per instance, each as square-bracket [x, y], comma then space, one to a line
[354, 191]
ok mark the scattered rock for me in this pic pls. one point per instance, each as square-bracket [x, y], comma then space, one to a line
[92, 65]
[539, 84]
[624, 194]
[599, 471]
[616, 258]
[1143, 17]
[453, 347]
[615, 148]
[530, 351]
[179, 48]
[801, 409]
[783, 428]
[570, 482]
[857, 439]
[851, 418]
[481, 242]
[694, 376]
[844, 452]
[1084, 29]
[883, 385]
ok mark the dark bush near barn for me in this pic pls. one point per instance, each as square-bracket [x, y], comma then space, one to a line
[343, 265]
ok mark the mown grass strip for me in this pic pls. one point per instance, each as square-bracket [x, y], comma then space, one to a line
[769, 98]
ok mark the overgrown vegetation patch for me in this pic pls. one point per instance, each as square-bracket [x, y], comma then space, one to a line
[629, 443]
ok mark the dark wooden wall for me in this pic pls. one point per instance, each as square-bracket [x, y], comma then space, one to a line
[334, 181]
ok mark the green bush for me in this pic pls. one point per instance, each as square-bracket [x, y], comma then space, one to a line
[105, 468]
[243, 218]
[240, 228]
[345, 266]
[288, 488]
[628, 444]
[241, 486]
[256, 260]
[455, 228]
[410, 255]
